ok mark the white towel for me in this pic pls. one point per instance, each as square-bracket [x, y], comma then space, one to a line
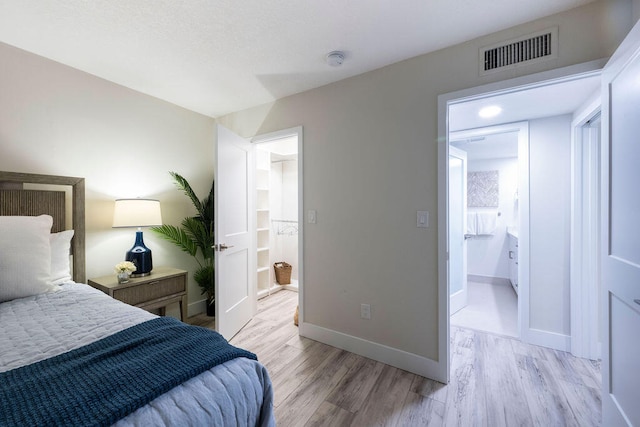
[472, 224]
[487, 222]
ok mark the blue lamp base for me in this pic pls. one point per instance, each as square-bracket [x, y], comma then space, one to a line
[140, 255]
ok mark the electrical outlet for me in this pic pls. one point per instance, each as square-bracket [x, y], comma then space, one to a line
[365, 311]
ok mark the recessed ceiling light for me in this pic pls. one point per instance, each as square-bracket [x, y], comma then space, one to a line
[490, 111]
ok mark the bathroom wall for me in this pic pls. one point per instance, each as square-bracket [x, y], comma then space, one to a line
[550, 223]
[488, 255]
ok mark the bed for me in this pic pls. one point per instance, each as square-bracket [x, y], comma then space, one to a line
[71, 355]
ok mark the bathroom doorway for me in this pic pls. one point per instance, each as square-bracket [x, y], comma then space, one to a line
[491, 218]
[549, 108]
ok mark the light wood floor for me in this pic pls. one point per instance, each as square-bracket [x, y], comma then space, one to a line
[495, 380]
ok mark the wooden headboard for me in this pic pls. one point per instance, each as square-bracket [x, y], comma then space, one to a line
[16, 200]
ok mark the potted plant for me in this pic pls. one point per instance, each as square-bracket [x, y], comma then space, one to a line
[196, 237]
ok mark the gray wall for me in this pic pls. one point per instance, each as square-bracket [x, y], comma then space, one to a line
[370, 162]
[550, 223]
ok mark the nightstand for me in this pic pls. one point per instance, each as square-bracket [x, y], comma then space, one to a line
[162, 287]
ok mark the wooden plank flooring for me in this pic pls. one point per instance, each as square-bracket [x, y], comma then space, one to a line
[495, 380]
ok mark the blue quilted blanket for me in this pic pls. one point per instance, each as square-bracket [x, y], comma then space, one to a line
[100, 383]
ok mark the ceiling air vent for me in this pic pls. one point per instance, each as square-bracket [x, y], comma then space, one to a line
[525, 50]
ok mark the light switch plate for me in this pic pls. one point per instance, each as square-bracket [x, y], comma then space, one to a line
[365, 311]
[423, 219]
[312, 216]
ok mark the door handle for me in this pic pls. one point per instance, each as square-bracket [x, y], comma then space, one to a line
[637, 301]
[511, 255]
[221, 247]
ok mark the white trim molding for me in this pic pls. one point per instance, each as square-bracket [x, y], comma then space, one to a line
[549, 339]
[585, 232]
[410, 362]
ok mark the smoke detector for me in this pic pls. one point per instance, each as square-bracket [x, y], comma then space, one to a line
[335, 58]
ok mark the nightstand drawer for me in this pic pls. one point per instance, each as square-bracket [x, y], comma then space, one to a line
[155, 289]
[164, 286]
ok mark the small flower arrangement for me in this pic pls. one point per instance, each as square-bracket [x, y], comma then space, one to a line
[125, 267]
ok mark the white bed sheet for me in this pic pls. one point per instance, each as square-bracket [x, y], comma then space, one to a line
[43, 326]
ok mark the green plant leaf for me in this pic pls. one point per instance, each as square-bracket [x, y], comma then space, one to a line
[196, 230]
[178, 237]
[196, 235]
[184, 185]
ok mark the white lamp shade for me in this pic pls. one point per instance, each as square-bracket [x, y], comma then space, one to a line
[137, 213]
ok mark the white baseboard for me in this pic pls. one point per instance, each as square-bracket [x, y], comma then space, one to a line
[277, 288]
[266, 292]
[549, 339]
[400, 359]
[488, 279]
[291, 287]
[197, 307]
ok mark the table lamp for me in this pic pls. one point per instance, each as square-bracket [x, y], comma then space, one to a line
[138, 213]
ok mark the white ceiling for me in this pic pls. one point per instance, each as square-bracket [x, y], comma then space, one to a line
[542, 101]
[547, 100]
[495, 146]
[220, 56]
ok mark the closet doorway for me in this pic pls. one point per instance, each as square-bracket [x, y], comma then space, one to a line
[278, 193]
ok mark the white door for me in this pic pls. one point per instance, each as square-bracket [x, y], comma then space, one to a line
[457, 229]
[621, 238]
[233, 227]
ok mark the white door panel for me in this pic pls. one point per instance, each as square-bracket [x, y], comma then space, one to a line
[457, 229]
[233, 202]
[621, 239]
[624, 358]
[235, 274]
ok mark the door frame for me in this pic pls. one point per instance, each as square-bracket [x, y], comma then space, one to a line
[444, 100]
[585, 252]
[269, 137]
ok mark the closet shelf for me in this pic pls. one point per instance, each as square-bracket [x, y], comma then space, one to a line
[263, 223]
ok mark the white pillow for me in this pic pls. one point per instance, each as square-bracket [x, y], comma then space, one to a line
[60, 249]
[25, 256]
